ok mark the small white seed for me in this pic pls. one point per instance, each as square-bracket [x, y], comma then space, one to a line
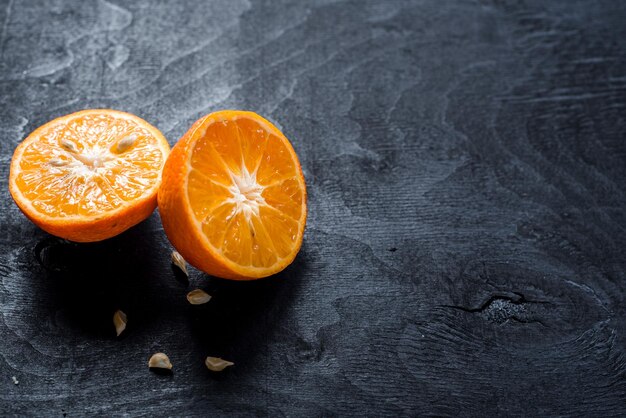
[126, 143]
[217, 364]
[69, 146]
[159, 361]
[198, 297]
[15, 381]
[57, 162]
[119, 320]
[179, 262]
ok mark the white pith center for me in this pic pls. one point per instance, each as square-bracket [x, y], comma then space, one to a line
[89, 162]
[93, 158]
[246, 193]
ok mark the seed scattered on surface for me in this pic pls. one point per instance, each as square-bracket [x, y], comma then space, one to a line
[57, 162]
[119, 320]
[159, 361]
[198, 297]
[69, 146]
[15, 381]
[217, 364]
[179, 262]
[126, 143]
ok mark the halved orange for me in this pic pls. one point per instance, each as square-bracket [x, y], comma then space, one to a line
[89, 175]
[233, 197]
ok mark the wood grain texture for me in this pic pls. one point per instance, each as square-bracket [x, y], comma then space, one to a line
[464, 255]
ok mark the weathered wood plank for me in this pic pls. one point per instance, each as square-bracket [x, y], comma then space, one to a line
[465, 248]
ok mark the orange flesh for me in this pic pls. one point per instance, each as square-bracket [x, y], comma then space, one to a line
[246, 192]
[90, 176]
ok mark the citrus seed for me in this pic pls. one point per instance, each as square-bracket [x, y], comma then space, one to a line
[57, 162]
[198, 297]
[69, 146]
[119, 320]
[217, 364]
[159, 361]
[126, 143]
[179, 262]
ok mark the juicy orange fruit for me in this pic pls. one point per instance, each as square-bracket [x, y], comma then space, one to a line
[90, 175]
[233, 197]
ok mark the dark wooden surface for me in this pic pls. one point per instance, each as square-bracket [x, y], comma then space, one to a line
[464, 255]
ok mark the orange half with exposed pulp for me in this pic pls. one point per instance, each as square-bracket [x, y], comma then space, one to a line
[89, 175]
[233, 197]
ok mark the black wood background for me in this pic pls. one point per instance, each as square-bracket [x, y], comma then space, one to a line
[464, 255]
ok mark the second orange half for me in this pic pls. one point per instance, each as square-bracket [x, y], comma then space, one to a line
[233, 197]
